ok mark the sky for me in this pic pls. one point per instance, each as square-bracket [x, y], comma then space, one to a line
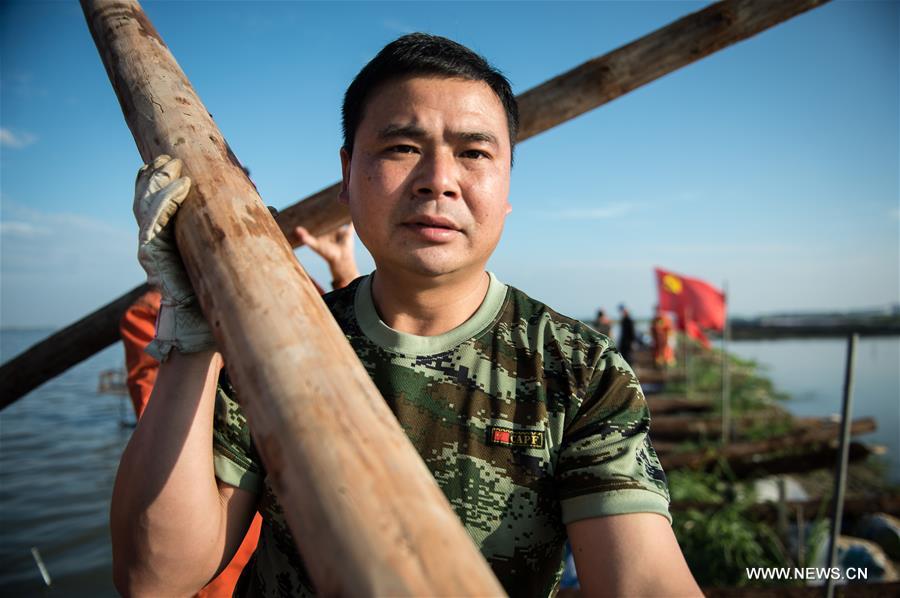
[770, 167]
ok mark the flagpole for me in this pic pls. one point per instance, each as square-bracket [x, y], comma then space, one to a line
[726, 381]
[687, 352]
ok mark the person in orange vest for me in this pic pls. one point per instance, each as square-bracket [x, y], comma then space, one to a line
[661, 332]
[138, 327]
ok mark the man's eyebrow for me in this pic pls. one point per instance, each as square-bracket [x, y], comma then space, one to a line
[413, 132]
[478, 136]
[394, 130]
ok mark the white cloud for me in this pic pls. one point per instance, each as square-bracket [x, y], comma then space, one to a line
[15, 140]
[606, 212]
[23, 229]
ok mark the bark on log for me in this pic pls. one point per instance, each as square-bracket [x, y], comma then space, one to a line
[374, 522]
[564, 97]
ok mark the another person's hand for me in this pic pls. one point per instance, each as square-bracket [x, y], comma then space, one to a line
[159, 191]
[336, 248]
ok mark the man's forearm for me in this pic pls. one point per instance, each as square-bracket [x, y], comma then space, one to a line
[167, 517]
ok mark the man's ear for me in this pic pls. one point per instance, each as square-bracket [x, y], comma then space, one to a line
[344, 193]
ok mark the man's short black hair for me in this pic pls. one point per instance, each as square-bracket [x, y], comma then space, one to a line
[423, 54]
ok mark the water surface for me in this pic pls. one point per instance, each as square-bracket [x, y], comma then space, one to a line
[812, 372]
[59, 448]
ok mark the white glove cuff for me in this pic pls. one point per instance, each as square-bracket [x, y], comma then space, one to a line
[180, 326]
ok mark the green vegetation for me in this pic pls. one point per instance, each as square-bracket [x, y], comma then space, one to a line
[750, 390]
[723, 539]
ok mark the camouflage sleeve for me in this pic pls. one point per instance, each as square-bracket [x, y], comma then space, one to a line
[234, 456]
[606, 464]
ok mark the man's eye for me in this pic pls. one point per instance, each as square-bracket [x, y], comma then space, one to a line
[402, 149]
[475, 154]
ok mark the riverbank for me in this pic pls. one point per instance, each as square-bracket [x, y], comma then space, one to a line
[718, 511]
[831, 325]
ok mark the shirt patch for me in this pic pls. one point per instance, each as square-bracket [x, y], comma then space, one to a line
[510, 437]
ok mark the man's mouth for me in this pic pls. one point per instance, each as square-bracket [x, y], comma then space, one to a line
[433, 229]
[432, 222]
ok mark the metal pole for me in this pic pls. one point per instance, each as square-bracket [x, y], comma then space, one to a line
[726, 381]
[840, 479]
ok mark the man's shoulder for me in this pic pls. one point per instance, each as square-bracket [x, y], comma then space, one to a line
[537, 317]
[340, 301]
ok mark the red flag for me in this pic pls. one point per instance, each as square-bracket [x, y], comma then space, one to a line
[695, 301]
[693, 330]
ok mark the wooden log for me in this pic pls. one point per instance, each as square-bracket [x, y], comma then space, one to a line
[810, 509]
[551, 103]
[60, 351]
[809, 459]
[664, 403]
[678, 44]
[749, 452]
[374, 522]
[822, 456]
[681, 427]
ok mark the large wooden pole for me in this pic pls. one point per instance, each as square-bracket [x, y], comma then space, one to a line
[61, 350]
[678, 44]
[551, 103]
[371, 517]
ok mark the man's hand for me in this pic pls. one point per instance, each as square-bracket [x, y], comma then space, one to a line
[336, 248]
[159, 191]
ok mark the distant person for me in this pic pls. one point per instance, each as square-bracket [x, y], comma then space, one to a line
[661, 335]
[603, 324]
[138, 327]
[626, 333]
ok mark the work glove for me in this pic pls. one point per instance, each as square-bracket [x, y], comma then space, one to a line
[159, 191]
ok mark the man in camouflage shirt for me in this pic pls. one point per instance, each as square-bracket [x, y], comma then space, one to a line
[532, 424]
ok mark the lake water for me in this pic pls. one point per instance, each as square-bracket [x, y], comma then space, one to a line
[60, 445]
[59, 448]
[812, 372]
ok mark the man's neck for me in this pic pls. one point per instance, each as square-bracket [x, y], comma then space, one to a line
[426, 307]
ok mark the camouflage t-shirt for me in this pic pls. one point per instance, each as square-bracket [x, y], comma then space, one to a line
[527, 419]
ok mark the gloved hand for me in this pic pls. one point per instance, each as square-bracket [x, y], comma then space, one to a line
[159, 191]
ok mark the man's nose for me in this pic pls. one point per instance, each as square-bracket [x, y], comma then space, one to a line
[437, 176]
